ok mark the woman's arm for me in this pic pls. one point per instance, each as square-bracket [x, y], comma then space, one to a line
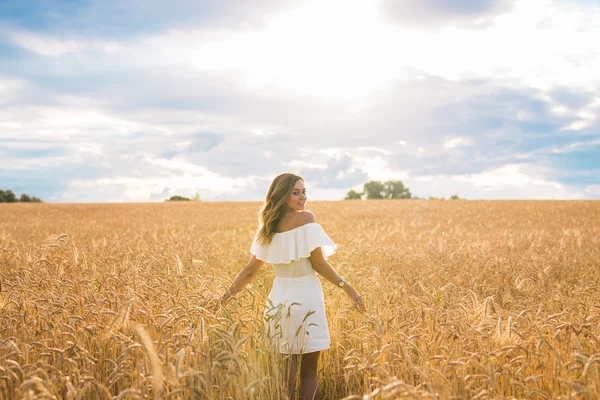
[326, 271]
[245, 276]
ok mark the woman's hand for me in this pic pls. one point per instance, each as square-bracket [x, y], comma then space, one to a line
[215, 304]
[355, 298]
[224, 299]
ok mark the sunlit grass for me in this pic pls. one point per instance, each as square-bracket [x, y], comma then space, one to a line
[465, 300]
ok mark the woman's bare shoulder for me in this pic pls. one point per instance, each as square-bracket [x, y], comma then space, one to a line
[305, 217]
[296, 220]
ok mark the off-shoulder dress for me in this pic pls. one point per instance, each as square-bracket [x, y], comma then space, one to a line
[295, 317]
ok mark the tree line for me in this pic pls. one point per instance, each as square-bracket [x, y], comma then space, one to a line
[177, 197]
[386, 190]
[7, 196]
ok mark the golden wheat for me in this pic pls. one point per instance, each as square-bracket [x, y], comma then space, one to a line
[466, 299]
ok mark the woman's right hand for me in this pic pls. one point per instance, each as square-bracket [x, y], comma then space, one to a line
[215, 304]
[357, 301]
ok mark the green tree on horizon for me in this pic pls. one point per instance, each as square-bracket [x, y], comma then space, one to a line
[386, 190]
[7, 196]
[177, 197]
[353, 195]
[374, 190]
[396, 190]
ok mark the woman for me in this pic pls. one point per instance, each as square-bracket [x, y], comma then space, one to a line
[297, 247]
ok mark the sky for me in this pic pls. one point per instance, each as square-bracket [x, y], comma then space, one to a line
[135, 101]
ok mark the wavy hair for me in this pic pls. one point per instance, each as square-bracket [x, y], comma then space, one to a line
[275, 205]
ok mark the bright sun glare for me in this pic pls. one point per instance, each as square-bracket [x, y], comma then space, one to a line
[333, 50]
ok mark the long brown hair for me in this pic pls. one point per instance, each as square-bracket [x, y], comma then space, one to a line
[275, 205]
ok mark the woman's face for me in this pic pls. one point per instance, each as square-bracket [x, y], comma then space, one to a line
[297, 199]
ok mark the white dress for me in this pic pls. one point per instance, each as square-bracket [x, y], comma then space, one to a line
[295, 317]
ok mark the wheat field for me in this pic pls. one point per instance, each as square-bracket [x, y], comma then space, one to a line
[465, 300]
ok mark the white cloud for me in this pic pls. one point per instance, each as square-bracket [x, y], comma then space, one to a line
[9, 88]
[579, 117]
[176, 176]
[429, 14]
[301, 164]
[378, 169]
[507, 176]
[284, 55]
[458, 142]
[572, 147]
[63, 124]
[56, 47]
[592, 190]
[27, 164]
[539, 43]
[513, 181]
[87, 147]
[375, 149]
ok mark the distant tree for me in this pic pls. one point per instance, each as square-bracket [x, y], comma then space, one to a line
[7, 196]
[454, 197]
[353, 195]
[177, 198]
[436, 198]
[196, 197]
[374, 190]
[396, 190]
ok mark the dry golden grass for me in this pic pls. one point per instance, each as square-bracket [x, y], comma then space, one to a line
[465, 300]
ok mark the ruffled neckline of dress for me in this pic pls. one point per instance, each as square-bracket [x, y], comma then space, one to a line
[294, 244]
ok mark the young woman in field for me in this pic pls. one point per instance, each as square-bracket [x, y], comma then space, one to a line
[296, 246]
